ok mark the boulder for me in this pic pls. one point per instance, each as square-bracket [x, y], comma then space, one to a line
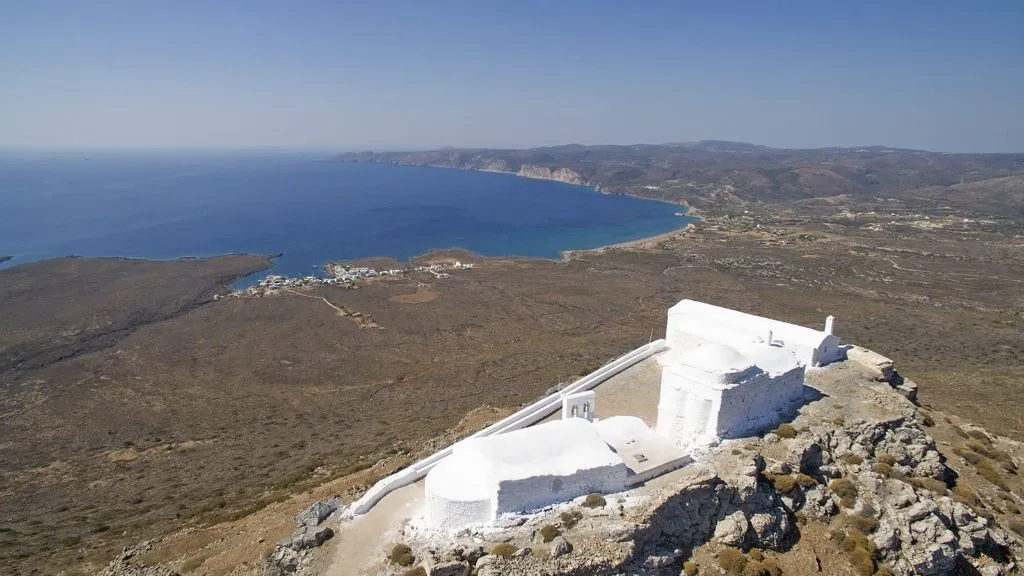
[560, 547]
[317, 512]
[447, 569]
[732, 529]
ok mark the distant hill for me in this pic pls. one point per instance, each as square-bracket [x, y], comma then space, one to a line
[712, 173]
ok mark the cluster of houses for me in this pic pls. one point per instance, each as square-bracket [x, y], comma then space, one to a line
[342, 275]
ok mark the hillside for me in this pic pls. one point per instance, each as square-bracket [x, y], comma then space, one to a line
[714, 173]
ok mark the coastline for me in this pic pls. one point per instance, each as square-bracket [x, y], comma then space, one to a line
[639, 243]
[564, 255]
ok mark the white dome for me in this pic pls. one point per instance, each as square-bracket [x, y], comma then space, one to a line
[714, 357]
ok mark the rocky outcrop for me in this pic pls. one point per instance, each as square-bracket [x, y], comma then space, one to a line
[545, 173]
[124, 563]
[291, 555]
[858, 461]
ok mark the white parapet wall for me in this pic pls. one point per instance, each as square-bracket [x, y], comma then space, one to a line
[525, 417]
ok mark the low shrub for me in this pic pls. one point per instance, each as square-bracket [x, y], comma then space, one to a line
[930, 484]
[755, 554]
[690, 568]
[990, 473]
[417, 571]
[594, 500]
[503, 550]
[851, 459]
[965, 495]
[846, 490]
[968, 456]
[772, 567]
[732, 560]
[1016, 525]
[549, 532]
[884, 469]
[785, 431]
[927, 419]
[570, 519]
[784, 483]
[402, 555]
[883, 570]
[805, 481]
[849, 526]
[979, 435]
[886, 458]
[865, 524]
[754, 569]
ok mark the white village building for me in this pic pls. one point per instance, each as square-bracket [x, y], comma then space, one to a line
[725, 374]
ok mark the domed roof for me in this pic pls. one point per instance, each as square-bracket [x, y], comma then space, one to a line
[715, 357]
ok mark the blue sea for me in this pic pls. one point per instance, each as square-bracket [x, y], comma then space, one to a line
[173, 204]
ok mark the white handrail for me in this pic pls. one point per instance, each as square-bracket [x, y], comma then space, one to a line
[521, 419]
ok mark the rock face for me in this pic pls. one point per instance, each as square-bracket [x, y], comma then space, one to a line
[544, 173]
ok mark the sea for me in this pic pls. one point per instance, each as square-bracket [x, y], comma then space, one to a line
[166, 205]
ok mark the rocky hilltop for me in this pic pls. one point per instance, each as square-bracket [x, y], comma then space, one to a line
[855, 483]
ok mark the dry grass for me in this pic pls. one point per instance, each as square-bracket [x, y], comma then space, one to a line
[886, 458]
[594, 500]
[503, 550]
[690, 568]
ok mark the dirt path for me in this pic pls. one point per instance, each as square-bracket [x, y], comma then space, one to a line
[362, 543]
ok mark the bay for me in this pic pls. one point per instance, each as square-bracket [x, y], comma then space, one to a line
[165, 205]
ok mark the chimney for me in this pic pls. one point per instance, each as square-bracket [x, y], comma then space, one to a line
[830, 322]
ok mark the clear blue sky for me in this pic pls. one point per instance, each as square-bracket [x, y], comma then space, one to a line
[930, 74]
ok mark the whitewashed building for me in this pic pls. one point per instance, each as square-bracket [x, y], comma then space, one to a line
[691, 322]
[713, 391]
[521, 471]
